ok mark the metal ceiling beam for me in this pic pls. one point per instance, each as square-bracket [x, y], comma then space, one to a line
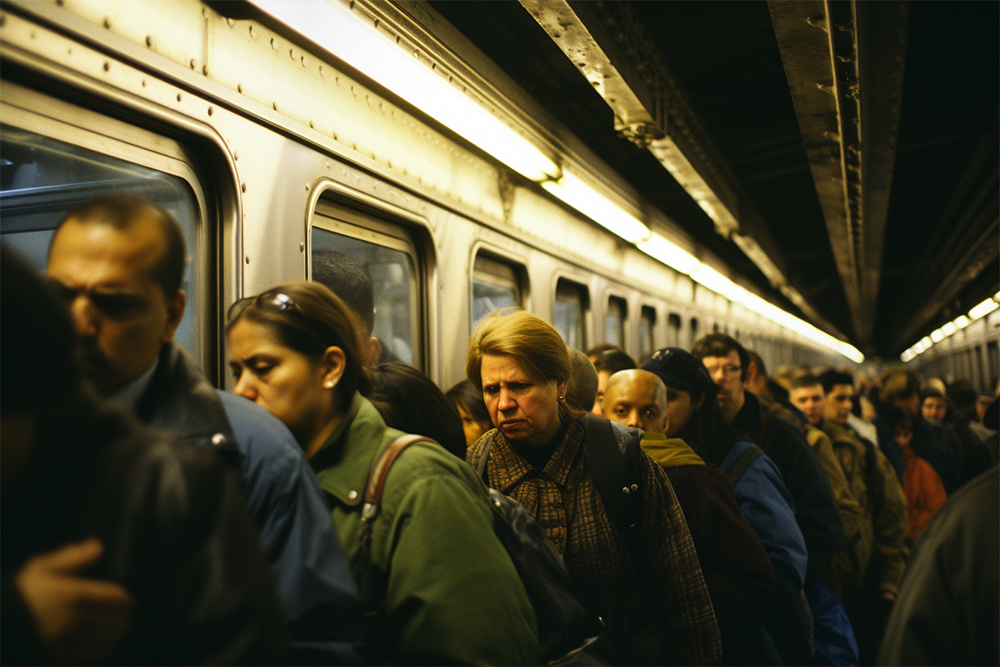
[844, 64]
[607, 46]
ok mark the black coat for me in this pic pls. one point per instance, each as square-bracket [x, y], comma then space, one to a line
[176, 534]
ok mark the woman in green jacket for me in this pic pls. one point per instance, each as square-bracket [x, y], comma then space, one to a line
[441, 585]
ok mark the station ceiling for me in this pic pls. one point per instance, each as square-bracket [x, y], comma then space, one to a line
[856, 143]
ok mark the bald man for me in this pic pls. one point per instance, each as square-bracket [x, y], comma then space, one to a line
[636, 399]
[737, 571]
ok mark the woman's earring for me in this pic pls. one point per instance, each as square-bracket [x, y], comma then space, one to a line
[328, 384]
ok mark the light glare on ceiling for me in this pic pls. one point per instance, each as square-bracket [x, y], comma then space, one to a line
[333, 26]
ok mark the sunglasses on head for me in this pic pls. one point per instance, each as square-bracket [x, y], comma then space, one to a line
[269, 300]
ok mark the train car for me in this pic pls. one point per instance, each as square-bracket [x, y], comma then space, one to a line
[272, 146]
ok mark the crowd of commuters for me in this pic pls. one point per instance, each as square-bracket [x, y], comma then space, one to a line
[809, 518]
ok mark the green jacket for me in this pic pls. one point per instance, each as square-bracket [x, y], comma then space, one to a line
[849, 563]
[446, 590]
[883, 506]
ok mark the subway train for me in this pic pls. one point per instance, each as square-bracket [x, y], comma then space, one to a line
[275, 131]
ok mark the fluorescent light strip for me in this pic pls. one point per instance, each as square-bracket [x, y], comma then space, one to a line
[662, 250]
[978, 311]
[333, 26]
[983, 309]
[595, 206]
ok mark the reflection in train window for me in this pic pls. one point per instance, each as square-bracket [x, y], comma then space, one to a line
[42, 179]
[674, 330]
[569, 311]
[614, 322]
[390, 264]
[494, 286]
[647, 324]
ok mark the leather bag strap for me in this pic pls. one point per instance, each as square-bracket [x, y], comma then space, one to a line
[376, 481]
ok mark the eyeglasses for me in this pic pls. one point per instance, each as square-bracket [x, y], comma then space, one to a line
[729, 370]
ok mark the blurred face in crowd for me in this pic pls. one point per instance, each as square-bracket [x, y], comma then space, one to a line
[523, 407]
[472, 428]
[680, 409]
[119, 310]
[725, 372]
[934, 409]
[295, 388]
[810, 401]
[839, 402]
[602, 385]
[637, 399]
[903, 435]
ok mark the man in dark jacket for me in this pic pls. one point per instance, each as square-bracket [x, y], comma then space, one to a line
[815, 506]
[119, 261]
[119, 547]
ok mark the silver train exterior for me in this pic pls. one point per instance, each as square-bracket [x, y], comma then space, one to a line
[269, 151]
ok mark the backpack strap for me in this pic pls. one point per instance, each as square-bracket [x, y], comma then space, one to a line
[742, 462]
[373, 499]
[613, 461]
[484, 456]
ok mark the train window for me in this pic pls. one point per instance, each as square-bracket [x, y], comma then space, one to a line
[674, 330]
[568, 314]
[494, 286]
[614, 321]
[43, 177]
[694, 332]
[390, 262]
[647, 324]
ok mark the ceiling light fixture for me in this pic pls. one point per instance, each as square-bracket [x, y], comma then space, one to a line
[333, 26]
[983, 309]
[597, 207]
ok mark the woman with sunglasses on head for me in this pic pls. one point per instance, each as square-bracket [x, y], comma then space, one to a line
[440, 583]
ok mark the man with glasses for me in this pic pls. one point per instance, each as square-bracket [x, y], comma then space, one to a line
[815, 506]
[119, 261]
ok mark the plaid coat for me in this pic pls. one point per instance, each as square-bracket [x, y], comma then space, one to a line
[663, 617]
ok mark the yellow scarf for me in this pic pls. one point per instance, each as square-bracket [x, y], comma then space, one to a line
[669, 452]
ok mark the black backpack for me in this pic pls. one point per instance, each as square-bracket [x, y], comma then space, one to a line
[568, 632]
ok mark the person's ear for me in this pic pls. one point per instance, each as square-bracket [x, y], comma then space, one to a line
[334, 365]
[372, 351]
[175, 313]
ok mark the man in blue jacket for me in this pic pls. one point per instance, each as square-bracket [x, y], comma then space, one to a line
[119, 261]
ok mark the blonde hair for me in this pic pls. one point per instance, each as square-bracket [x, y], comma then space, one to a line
[532, 341]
